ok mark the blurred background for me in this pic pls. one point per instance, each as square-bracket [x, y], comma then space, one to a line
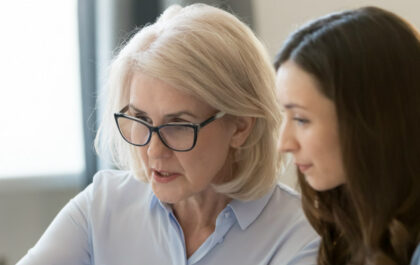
[54, 59]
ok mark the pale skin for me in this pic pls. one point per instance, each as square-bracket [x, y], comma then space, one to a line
[197, 217]
[310, 128]
[188, 176]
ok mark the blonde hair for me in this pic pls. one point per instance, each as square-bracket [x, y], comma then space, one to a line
[212, 55]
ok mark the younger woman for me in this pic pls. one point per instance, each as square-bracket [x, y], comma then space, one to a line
[349, 84]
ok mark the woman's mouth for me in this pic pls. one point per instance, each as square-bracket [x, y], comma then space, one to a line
[303, 167]
[162, 176]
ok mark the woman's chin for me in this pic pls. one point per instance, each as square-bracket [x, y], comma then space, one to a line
[319, 184]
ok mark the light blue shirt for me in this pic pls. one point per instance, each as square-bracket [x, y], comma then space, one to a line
[118, 220]
[415, 260]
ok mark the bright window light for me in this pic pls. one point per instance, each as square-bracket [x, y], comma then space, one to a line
[40, 97]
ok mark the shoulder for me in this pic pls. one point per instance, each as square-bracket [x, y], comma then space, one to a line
[415, 260]
[292, 239]
[107, 176]
[114, 187]
[287, 191]
[284, 207]
[116, 180]
[286, 198]
[297, 241]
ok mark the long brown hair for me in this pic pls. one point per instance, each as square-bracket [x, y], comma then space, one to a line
[367, 62]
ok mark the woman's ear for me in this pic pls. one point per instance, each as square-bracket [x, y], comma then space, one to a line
[243, 127]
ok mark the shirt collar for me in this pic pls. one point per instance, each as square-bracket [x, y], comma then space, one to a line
[153, 200]
[246, 212]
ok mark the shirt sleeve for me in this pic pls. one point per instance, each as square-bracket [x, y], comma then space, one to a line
[415, 260]
[307, 255]
[66, 241]
[302, 248]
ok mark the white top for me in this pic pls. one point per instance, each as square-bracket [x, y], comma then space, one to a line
[118, 220]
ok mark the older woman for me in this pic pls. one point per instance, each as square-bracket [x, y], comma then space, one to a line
[192, 122]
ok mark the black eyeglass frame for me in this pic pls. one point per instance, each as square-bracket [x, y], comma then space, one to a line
[195, 126]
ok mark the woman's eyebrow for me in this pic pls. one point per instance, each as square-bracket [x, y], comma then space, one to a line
[180, 113]
[167, 116]
[293, 106]
[136, 110]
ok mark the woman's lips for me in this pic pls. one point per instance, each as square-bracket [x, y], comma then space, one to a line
[303, 167]
[164, 176]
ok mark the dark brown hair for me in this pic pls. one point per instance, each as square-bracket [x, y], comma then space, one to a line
[367, 61]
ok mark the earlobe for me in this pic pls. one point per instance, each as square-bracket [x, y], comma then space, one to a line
[243, 127]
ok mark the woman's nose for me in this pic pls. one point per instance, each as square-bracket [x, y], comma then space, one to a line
[287, 142]
[157, 149]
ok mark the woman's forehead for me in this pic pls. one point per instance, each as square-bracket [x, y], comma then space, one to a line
[293, 82]
[149, 94]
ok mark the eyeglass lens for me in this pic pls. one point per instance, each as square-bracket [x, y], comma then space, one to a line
[178, 137]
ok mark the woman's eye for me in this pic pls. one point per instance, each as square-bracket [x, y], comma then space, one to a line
[301, 121]
[144, 118]
[179, 120]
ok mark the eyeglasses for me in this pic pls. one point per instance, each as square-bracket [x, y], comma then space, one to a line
[179, 137]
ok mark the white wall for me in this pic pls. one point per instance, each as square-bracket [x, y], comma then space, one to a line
[276, 19]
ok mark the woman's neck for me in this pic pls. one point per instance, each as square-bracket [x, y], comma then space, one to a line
[197, 216]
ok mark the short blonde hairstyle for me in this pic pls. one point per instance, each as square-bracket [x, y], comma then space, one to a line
[212, 55]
